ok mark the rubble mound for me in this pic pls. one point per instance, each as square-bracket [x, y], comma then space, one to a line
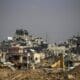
[38, 74]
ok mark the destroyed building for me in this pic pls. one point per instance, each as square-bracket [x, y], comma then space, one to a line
[23, 49]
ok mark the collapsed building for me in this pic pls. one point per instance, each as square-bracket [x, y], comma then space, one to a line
[26, 51]
[23, 49]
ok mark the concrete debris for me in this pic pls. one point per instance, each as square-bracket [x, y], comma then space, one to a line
[25, 57]
[38, 74]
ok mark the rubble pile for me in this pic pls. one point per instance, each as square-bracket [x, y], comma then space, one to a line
[28, 57]
[38, 74]
[76, 72]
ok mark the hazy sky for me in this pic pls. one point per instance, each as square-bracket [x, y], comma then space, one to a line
[59, 18]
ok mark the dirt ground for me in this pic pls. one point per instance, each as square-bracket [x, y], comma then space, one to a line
[7, 74]
[37, 74]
